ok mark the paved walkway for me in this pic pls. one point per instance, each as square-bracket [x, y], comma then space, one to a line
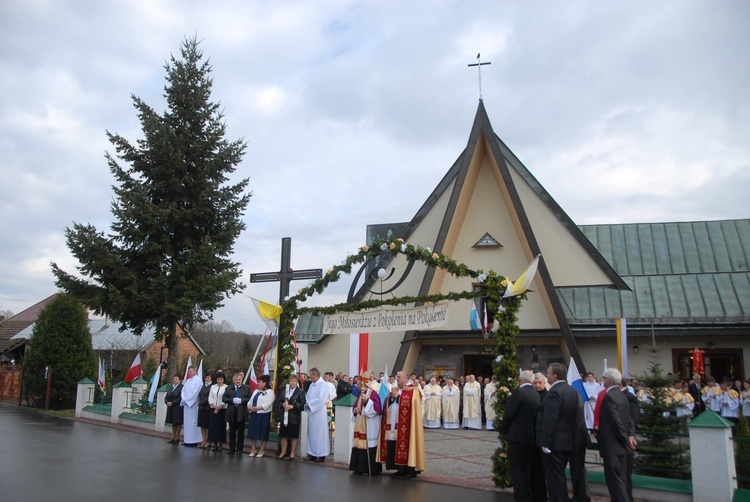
[458, 458]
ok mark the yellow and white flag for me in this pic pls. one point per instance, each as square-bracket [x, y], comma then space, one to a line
[523, 283]
[270, 313]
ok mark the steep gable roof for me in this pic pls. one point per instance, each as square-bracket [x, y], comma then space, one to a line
[528, 204]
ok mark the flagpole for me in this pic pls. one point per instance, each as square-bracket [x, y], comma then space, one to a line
[276, 366]
[257, 349]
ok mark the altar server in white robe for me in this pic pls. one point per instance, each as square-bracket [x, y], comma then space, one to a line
[730, 402]
[684, 401]
[711, 395]
[431, 404]
[472, 403]
[451, 401]
[745, 398]
[593, 389]
[190, 390]
[318, 395]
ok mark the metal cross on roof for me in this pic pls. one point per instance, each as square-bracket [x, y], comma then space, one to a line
[479, 65]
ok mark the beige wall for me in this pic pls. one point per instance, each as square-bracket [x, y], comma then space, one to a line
[595, 350]
[568, 263]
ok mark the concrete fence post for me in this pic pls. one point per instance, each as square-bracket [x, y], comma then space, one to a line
[344, 438]
[120, 394]
[161, 409]
[712, 458]
[84, 389]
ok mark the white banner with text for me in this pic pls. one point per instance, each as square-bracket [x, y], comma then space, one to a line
[386, 318]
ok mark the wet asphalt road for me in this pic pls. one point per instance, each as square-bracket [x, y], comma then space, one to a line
[49, 458]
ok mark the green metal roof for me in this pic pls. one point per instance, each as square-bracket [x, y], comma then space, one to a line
[710, 419]
[692, 272]
[309, 328]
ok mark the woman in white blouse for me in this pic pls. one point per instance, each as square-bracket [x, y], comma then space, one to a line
[260, 405]
[217, 428]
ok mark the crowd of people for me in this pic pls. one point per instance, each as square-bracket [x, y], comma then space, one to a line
[388, 431]
[203, 411]
[729, 398]
[547, 429]
[447, 403]
[549, 426]
[547, 423]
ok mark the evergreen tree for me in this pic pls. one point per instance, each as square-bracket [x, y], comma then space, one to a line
[167, 261]
[742, 453]
[247, 350]
[61, 341]
[660, 451]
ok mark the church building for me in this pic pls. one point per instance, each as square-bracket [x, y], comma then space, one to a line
[684, 286]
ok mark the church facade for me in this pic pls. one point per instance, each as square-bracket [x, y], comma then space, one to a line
[681, 285]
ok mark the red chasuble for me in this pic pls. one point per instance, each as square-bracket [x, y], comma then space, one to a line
[409, 433]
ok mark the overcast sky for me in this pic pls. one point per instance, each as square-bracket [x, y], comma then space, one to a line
[633, 111]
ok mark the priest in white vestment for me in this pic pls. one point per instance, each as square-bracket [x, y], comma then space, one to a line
[451, 401]
[318, 396]
[190, 390]
[593, 389]
[472, 403]
[431, 404]
[490, 397]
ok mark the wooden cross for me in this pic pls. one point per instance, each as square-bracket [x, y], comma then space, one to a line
[479, 65]
[286, 275]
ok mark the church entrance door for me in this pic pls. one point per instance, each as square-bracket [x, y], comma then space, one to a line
[478, 364]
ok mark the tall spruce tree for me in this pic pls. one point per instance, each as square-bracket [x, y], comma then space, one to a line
[61, 341]
[167, 261]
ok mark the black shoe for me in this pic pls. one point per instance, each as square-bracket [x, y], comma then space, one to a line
[311, 458]
[239, 452]
[320, 460]
[190, 445]
[230, 452]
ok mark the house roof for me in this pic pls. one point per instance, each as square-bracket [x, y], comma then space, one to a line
[106, 334]
[691, 272]
[12, 326]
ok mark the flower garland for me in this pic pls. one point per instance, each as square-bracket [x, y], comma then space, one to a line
[504, 329]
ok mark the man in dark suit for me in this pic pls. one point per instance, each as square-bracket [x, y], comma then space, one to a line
[635, 414]
[518, 426]
[561, 434]
[616, 436]
[236, 397]
[694, 389]
[540, 385]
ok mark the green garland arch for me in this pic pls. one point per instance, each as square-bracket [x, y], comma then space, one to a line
[505, 330]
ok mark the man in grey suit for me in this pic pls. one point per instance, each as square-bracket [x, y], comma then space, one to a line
[561, 434]
[518, 426]
[616, 436]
